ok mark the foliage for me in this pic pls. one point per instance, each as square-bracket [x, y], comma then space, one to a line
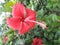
[46, 10]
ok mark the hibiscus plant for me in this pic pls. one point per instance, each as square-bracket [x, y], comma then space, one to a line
[30, 22]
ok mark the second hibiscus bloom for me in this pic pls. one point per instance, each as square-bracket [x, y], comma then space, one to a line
[37, 41]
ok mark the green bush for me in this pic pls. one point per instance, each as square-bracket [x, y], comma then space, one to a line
[46, 10]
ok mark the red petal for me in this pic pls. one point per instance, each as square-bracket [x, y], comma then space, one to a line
[5, 39]
[31, 15]
[24, 28]
[18, 10]
[14, 23]
[30, 12]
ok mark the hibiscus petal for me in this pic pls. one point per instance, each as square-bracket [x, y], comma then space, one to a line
[13, 23]
[24, 28]
[30, 12]
[18, 10]
[31, 15]
[31, 24]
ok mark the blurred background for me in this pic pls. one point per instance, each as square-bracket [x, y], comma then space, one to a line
[46, 10]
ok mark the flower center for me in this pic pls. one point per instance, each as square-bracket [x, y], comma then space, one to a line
[22, 19]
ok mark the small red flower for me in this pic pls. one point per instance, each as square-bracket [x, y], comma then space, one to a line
[5, 39]
[37, 41]
[23, 19]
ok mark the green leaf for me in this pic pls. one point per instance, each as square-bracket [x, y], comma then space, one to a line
[58, 17]
[10, 3]
[59, 40]
[53, 17]
[6, 9]
[1, 42]
[40, 14]
[49, 5]
[8, 6]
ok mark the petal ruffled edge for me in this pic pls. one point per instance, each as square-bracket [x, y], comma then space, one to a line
[13, 23]
[18, 10]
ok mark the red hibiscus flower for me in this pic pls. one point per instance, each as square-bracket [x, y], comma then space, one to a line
[5, 39]
[37, 41]
[23, 19]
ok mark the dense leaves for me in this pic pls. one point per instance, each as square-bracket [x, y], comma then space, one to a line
[47, 11]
